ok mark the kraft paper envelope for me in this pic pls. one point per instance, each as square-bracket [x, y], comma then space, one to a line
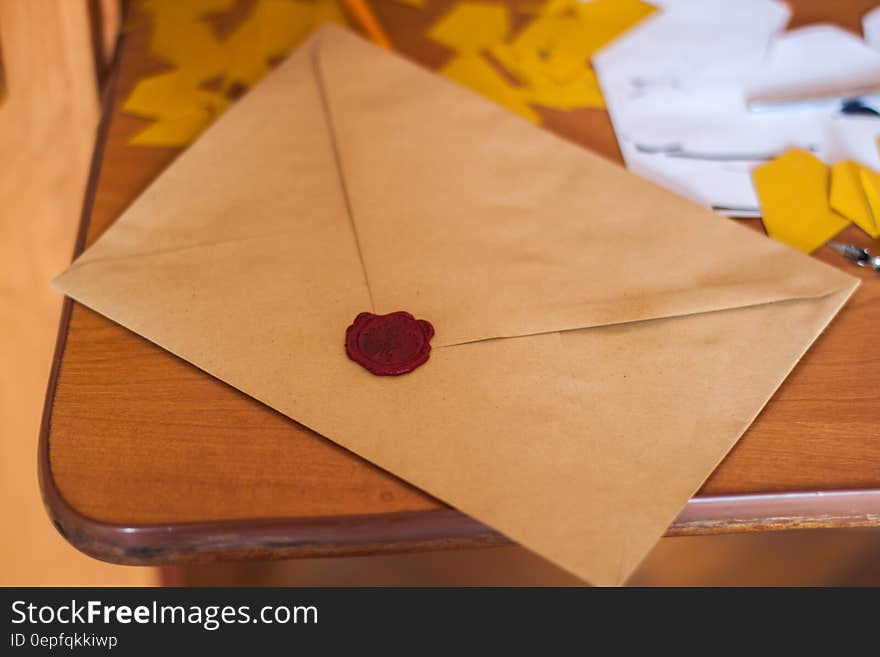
[600, 342]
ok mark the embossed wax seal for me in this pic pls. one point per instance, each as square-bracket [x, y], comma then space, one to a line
[389, 345]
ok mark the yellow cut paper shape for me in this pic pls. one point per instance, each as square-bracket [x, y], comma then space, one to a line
[550, 58]
[551, 55]
[582, 91]
[607, 19]
[536, 51]
[559, 50]
[569, 32]
[326, 11]
[855, 195]
[173, 131]
[171, 94]
[474, 71]
[183, 107]
[181, 34]
[188, 9]
[273, 28]
[470, 27]
[870, 182]
[180, 101]
[793, 190]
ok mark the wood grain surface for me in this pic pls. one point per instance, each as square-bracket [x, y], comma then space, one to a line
[147, 459]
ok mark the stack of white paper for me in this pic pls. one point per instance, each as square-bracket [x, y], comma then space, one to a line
[678, 88]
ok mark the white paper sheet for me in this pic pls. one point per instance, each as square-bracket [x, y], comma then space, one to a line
[854, 138]
[815, 59]
[871, 28]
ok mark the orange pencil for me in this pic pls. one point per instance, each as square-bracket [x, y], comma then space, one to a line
[360, 10]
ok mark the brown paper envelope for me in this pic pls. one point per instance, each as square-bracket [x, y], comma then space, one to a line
[601, 343]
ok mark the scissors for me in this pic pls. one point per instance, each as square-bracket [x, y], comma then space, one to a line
[862, 257]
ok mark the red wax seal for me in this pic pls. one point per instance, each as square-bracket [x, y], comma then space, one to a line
[388, 345]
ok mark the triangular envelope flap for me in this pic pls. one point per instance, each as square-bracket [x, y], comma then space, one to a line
[262, 170]
[233, 236]
[489, 227]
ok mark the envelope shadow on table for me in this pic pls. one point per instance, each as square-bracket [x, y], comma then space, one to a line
[600, 342]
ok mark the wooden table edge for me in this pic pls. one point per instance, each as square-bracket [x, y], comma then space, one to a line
[163, 544]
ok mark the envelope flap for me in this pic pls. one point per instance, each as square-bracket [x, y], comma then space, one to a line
[232, 237]
[468, 216]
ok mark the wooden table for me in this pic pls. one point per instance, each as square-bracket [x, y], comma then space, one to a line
[144, 459]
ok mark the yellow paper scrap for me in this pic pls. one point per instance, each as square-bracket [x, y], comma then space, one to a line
[568, 32]
[182, 107]
[550, 57]
[186, 11]
[607, 19]
[172, 94]
[181, 34]
[871, 186]
[553, 46]
[190, 8]
[474, 71]
[472, 26]
[558, 7]
[272, 29]
[326, 11]
[528, 10]
[532, 54]
[855, 194]
[793, 190]
[582, 91]
[173, 131]
[180, 101]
